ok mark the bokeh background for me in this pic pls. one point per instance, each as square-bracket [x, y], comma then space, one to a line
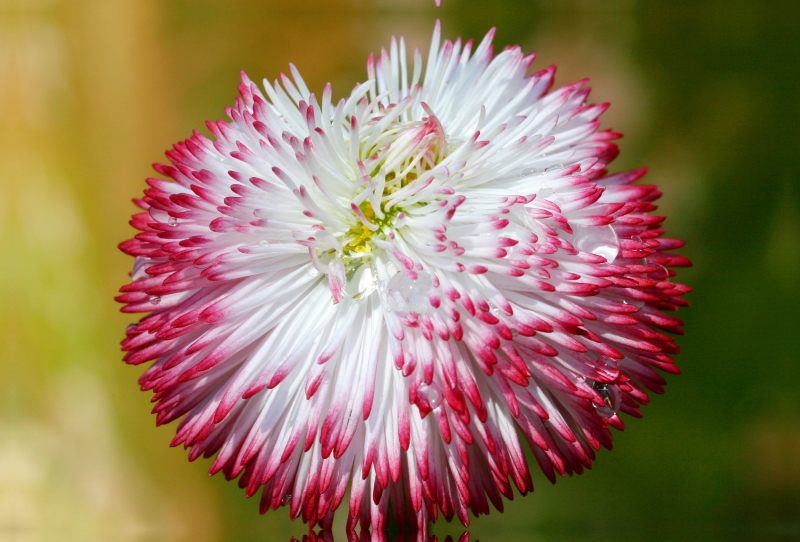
[92, 92]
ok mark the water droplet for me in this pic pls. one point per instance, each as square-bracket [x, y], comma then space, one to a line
[609, 362]
[660, 273]
[312, 271]
[263, 243]
[155, 299]
[361, 282]
[545, 192]
[527, 172]
[494, 309]
[471, 210]
[434, 395]
[601, 388]
[287, 499]
[554, 167]
[404, 294]
[607, 410]
[131, 328]
[634, 302]
[173, 221]
[599, 240]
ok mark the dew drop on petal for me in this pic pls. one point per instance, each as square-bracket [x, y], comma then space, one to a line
[263, 243]
[312, 271]
[555, 167]
[155, 299]
[173, 221]
[598, 240]
[660, 273]
[287, 499]
[601, 388]
[404, 294]
[634, 302]
[434, 395]
[615, 397]
[131, 328]
[545, 191]
[471, 210]
[607, 410]
[361, 282]
[527, 172]
[609, 362]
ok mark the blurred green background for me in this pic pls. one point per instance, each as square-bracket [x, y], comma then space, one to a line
[92, 92]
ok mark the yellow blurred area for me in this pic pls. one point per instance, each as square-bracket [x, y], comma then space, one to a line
[74, 80]
[90, 96]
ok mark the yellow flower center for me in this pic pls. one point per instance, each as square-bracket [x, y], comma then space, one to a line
[411, 148]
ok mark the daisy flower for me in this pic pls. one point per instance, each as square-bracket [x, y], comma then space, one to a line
[389, 293]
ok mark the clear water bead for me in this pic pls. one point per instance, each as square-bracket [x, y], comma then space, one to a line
[598, 240]
[607, 410]
[545, 191]
[634, 302]
[155, 299]
[131, 328]
[494, 309]
[362, 282]
[610, 362]
[555, 167]
[660, 273]
[404, 294]
[173, 221]
[434, 395]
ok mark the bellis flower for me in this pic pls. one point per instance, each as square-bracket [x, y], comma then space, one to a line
[389, 293]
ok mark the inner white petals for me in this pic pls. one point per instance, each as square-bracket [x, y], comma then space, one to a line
[381, 292]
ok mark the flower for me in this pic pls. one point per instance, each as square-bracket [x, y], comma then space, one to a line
[386, 293]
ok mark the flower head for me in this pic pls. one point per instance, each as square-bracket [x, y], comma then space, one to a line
[386, 293]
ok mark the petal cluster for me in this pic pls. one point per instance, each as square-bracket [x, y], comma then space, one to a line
[388, 294]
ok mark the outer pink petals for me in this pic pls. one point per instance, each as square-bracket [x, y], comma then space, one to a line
[538, 285]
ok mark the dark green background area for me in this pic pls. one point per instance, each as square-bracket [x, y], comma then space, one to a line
[707, 94]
